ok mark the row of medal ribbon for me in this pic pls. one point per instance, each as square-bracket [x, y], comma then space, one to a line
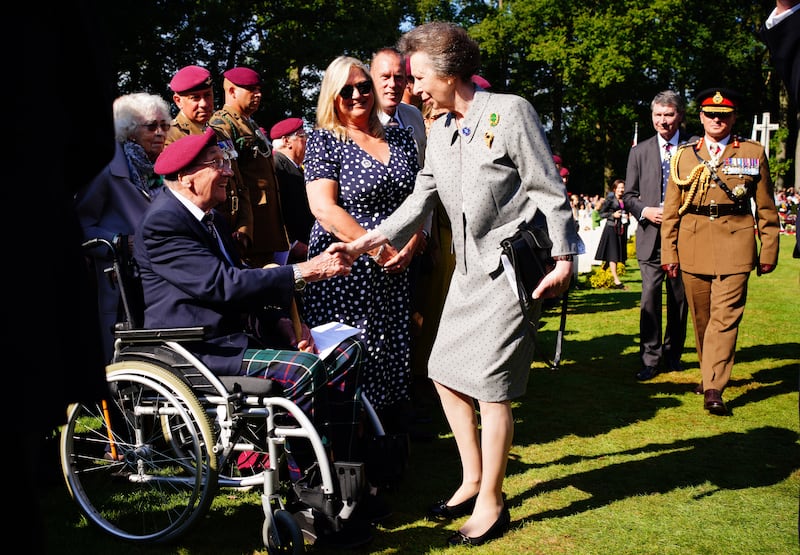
[741, 166]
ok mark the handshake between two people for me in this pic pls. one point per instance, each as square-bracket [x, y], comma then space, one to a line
[555, 282]
[338, 258]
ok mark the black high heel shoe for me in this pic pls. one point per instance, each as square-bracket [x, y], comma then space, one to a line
[442, 511]
[497, 530]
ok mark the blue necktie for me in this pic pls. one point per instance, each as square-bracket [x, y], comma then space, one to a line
[208, 220]
[665, 169]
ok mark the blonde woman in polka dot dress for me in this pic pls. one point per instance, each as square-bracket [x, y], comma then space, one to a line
[489, 163]
[357, 173]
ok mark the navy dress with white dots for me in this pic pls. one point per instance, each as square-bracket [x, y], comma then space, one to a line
[368, 298]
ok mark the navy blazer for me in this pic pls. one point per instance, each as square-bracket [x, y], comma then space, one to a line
[783, 41]
[188, 282]
[111, 204]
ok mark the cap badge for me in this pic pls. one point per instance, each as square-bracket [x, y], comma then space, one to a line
[717, 98]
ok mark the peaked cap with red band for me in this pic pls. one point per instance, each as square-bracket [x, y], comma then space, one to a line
[718, 100]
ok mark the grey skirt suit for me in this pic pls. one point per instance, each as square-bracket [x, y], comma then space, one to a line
[491, 174]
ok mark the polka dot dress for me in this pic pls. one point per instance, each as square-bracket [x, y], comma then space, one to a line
[368, 298]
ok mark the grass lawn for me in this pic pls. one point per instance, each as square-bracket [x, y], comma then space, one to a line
[601, 464]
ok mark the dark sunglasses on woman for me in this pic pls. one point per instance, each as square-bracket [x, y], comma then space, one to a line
[364, 87]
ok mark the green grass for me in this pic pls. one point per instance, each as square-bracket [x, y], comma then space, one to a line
[601, 463]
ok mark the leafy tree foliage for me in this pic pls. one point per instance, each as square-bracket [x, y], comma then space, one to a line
[289, 43]
[589, 68]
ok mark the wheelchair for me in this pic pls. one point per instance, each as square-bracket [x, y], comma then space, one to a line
[145, 464]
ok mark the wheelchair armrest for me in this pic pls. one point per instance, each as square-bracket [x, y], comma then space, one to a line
[195, 333]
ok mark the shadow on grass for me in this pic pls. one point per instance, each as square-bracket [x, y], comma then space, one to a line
[769, 454]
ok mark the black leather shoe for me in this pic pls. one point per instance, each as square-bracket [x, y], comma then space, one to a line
[497, 530]
[713, 402]
[698, 389]
[674, 366]
[442, 511]
[647, 373]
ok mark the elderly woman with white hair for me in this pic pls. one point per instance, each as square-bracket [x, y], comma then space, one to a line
[113, 202]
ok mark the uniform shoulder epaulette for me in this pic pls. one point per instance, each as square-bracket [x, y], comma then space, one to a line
[744, 140]
[691, 142]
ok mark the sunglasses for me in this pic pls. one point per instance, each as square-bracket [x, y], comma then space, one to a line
[364, 87]
[154, 125]
[720, 115]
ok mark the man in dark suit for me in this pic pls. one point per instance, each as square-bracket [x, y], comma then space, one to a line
[645, 182]
[192, 275]
[781, 33]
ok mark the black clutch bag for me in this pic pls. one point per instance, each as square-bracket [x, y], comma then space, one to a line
[528, 251]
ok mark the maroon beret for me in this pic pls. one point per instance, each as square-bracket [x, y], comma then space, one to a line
[243, 77]
[285, 127]
[563, 172]
[190, 78]
[481, 82]
[180, 154]
[557, 159]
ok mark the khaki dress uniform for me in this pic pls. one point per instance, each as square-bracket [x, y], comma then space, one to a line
[709, 229]
[237, 205]
[255, 168]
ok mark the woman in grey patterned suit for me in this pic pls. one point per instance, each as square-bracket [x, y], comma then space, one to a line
[489, 163]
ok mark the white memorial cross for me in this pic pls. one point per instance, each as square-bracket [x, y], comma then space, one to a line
[763, 130]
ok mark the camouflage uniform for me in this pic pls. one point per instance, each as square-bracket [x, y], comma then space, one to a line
[237, 206]
[255, 169]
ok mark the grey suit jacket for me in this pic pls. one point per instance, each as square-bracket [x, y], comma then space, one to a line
[643, 189]
[491, 175]
[411, 118]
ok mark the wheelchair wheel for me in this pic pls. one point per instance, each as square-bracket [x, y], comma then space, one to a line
[282, 534]
[141, 464]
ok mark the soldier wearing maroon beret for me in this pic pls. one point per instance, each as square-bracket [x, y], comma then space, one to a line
[194, 97]
[193, 94]
[707, 232]
[254, 167]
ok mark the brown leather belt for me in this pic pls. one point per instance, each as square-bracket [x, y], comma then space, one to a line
[716, 210]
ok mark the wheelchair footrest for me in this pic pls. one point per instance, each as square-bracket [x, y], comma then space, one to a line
[352, 480]
[309, 492]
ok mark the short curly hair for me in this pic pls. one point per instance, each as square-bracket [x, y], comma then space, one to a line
[131, 110]
[451, 50]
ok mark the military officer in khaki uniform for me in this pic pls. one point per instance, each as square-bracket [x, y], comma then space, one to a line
[254, 165]
[194, 97]
[710, 233]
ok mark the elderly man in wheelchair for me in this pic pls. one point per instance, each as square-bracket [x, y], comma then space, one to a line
[191, 277]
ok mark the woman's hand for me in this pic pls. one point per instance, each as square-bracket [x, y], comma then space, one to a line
[556, 282]
[394, 262]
